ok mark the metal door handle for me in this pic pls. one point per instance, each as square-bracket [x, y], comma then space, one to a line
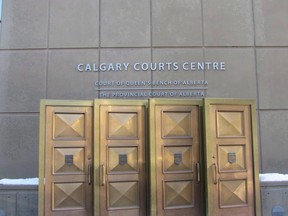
[215, 173]
[89, 174]
[198, 172]
[103, 181]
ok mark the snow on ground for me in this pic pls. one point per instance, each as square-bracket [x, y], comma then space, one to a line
[265, 177]
[27, 181]
[273, 177]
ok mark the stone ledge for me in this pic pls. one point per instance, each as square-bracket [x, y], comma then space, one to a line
[273, 183]
[18, 187]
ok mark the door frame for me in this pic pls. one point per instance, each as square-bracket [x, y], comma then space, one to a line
[42, 138]
[208, 145]
[152, 146]
[96, 147]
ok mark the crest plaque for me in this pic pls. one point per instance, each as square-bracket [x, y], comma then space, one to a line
[177, 158]
[122, 159]
[69, 160]
[231, 157]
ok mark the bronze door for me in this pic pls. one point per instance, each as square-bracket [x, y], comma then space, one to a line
[229, 155]
[113, 179]
[121, 158]
[175, 184]
[68, 160]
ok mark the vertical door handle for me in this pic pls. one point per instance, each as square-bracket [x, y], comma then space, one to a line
[215, 173]
[89, 174]
[103, 179]
[198, 172]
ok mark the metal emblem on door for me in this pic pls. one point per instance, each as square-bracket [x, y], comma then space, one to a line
[177, 158]
[122, 159]
[231, 157]
[69, 160]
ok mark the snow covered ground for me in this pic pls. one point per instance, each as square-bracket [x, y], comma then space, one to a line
[265, 177]
[27, 181]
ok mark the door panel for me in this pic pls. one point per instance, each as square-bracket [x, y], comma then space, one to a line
[229, 155]
[175, 158]
[122, 159]
[68, 189]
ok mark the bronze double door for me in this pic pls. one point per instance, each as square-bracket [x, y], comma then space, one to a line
[111, 157]
[128, 184]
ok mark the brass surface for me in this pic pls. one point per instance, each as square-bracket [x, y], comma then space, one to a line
[123, 160]
[229, 124]
[122, 146]
[174, 157]
[68, 145]
[115, 174]
[231, 166]
[42, 127]
[62, 165]
[68, 126]
[68, 196]
[123, 195]
[233, 193]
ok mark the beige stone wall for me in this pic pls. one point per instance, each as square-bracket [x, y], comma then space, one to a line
[42, 41]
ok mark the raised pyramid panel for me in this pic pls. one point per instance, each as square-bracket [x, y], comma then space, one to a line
[177, 159]
[122, 125]
[178, 194]
[230, 124]
[233, 193]
[68, 196]
[176, 124]
[232, 158]
[123, 195]
[123, 159]
[67, 126]
[68, 160]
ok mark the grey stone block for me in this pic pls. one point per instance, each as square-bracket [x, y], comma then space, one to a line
[64, 81]
[274, 144]
[239, 78]
[176, 23]
[271, 22]
[22, 80]
[74, 23]
[125, 23]
[8, 202]
[27, 203]
[274, 198]
[228, 23]
[22, 25]
[19, 146]
[272, 77]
